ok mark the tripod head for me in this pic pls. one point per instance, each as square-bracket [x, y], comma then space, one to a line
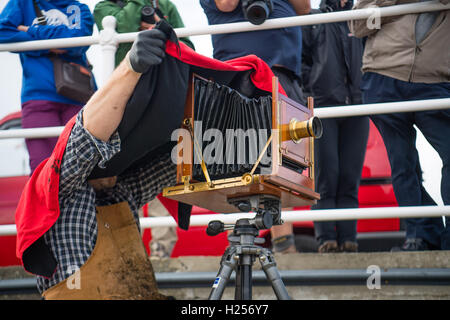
[268, 213]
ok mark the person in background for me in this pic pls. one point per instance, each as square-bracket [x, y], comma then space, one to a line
[331, 73]
[42, 105]
[407, 58]
[280, 49]
[129, 16]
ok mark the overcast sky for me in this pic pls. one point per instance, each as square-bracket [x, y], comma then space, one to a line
[13, 160]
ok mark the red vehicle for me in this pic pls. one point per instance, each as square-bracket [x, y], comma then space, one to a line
[373, 235]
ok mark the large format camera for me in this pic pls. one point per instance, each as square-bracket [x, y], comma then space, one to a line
[257, 11]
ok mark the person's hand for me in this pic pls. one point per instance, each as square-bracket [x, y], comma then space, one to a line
[147, 50]
[58, 51]
[22, 28]
[146, 26]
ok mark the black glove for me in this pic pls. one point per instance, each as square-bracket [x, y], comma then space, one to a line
[148, 50]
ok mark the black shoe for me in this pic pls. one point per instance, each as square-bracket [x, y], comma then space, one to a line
[412, 244]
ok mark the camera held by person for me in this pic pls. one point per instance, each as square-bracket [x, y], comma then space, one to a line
[148, 15]
[257, 11]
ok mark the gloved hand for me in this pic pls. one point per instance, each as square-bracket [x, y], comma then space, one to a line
[147, 50]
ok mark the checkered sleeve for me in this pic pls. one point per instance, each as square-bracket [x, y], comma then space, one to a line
[147, 182]
[83, 152]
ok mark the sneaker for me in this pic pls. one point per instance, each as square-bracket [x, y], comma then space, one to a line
[412, 244]
[328, 246]
[349, 246]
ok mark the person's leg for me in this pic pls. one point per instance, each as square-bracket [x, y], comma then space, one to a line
[353, 135]
[435, 126]
[399, 137]
[37, 114]
[402, 155]
[326, 171]
[445, 235]
[163, 238]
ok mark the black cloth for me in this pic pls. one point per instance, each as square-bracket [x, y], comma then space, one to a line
[156, 109]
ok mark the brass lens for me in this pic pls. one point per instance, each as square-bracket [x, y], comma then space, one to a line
[305, 129]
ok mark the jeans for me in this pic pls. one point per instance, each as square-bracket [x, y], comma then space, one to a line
[339, 157]
[399, 135]
[42, 113]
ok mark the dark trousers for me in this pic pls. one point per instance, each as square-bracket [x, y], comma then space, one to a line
[339, 157]
[399, 135]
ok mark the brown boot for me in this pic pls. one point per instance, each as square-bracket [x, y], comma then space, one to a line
[328, 246]
[349, 246]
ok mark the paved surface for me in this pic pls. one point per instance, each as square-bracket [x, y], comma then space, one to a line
[305, 261]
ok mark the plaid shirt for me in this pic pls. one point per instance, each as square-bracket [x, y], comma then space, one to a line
[72, 238]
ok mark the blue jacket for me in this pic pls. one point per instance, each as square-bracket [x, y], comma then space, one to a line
[65, 19]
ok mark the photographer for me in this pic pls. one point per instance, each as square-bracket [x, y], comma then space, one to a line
[281, 49]
[78, 234]
[131, 16]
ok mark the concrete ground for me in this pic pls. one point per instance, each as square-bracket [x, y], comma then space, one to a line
[304, 261]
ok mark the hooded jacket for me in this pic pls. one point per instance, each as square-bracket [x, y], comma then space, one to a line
[331, 60]
[65, 19]
[128, 16]
[392, 50]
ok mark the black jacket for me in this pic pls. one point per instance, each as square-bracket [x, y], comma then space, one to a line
[331, 69]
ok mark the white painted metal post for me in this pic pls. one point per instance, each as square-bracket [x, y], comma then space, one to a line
[109, 44]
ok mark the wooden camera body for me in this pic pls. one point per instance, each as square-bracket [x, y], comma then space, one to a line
[290, 176]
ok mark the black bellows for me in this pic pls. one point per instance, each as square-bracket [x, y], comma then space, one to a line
[231, 129]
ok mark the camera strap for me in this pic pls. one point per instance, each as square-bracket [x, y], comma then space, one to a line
[39, 15]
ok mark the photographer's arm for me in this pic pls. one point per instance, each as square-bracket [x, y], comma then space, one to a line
[301, 7]
[104, 111]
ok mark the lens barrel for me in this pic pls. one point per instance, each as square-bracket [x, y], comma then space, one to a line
[257, 11]
[148, 15]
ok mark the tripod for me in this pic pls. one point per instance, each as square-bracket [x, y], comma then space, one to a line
[242, 253]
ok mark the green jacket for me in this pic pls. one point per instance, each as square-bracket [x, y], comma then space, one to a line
[129, 19]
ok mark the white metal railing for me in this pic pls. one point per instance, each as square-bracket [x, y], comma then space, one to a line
[233, 27]
[292, 216]
[328, 112]
[108, 39]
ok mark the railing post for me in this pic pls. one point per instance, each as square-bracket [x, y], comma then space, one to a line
[109, 44]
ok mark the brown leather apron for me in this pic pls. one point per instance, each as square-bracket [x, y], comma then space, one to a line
[118, 267]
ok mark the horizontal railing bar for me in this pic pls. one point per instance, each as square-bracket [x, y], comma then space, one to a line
[238, 26]
[382, 108]
[326, 112]
[292, 216]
